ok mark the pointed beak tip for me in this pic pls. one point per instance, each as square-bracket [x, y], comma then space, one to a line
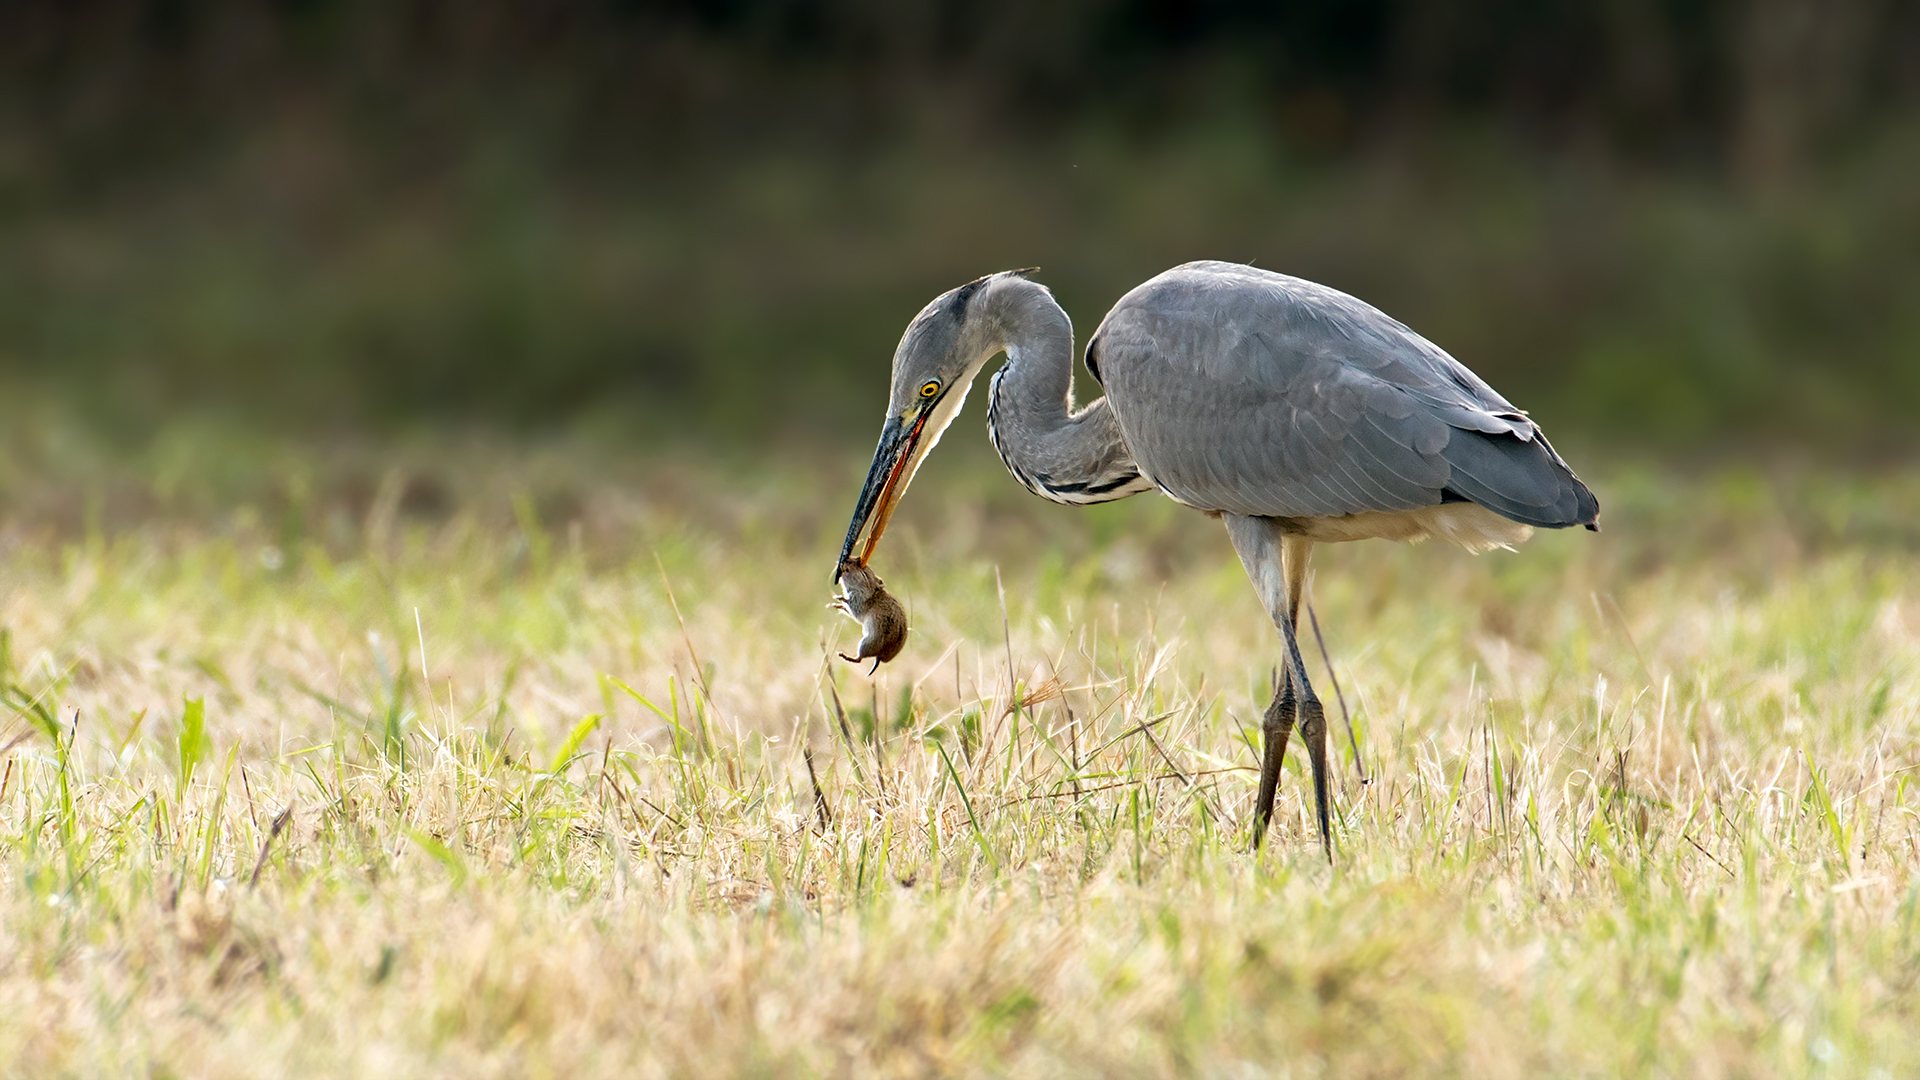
[881, 491]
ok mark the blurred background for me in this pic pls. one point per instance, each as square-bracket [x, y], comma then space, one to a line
[1678, 228]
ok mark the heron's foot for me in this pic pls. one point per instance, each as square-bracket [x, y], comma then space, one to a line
[1313, 732]
[1275, 728]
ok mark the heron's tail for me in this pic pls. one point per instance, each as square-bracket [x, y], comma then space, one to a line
[1521, 479]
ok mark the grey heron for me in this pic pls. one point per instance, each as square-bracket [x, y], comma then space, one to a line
[1295, 413]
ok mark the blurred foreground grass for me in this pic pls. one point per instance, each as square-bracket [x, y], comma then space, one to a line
[401, 761]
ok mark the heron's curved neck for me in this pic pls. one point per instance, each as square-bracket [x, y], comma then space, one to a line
[1063, 454]
[1038, 339]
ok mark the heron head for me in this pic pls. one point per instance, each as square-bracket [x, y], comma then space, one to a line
[943, 349]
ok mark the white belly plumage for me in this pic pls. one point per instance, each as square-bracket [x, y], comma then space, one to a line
[1467, 524]
[1470, 525]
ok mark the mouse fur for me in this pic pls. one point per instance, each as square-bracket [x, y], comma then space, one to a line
[882, 618]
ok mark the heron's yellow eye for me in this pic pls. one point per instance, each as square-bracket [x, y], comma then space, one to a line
[930, 389]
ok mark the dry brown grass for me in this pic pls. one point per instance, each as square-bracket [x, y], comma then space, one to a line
[1639, 802]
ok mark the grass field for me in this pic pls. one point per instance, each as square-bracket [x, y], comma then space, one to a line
[493, 761]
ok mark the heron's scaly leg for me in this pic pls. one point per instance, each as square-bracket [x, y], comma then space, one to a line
[1277, 566]
[1275, 728]
[1313, 732]
[1295, 552]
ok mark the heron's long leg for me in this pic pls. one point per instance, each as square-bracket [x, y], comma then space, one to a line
[1277, 725]
[1313, 732]
[1277, 566]
[1274, 731]
[1296, 551]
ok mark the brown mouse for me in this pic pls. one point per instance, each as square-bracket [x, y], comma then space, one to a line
[883, 618]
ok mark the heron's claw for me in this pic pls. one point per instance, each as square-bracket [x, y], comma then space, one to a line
[1313, 732]
[1275, 728]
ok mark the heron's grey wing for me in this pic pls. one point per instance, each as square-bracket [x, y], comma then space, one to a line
[1252, 392]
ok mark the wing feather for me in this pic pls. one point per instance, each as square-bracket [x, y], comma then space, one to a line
[1251, 392]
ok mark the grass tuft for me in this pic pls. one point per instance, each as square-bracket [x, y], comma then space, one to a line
[1635, 804]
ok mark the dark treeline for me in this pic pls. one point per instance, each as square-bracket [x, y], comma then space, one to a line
[1759, 86]
[1672, 218]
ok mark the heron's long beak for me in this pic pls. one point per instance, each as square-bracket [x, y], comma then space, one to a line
[886, 482]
